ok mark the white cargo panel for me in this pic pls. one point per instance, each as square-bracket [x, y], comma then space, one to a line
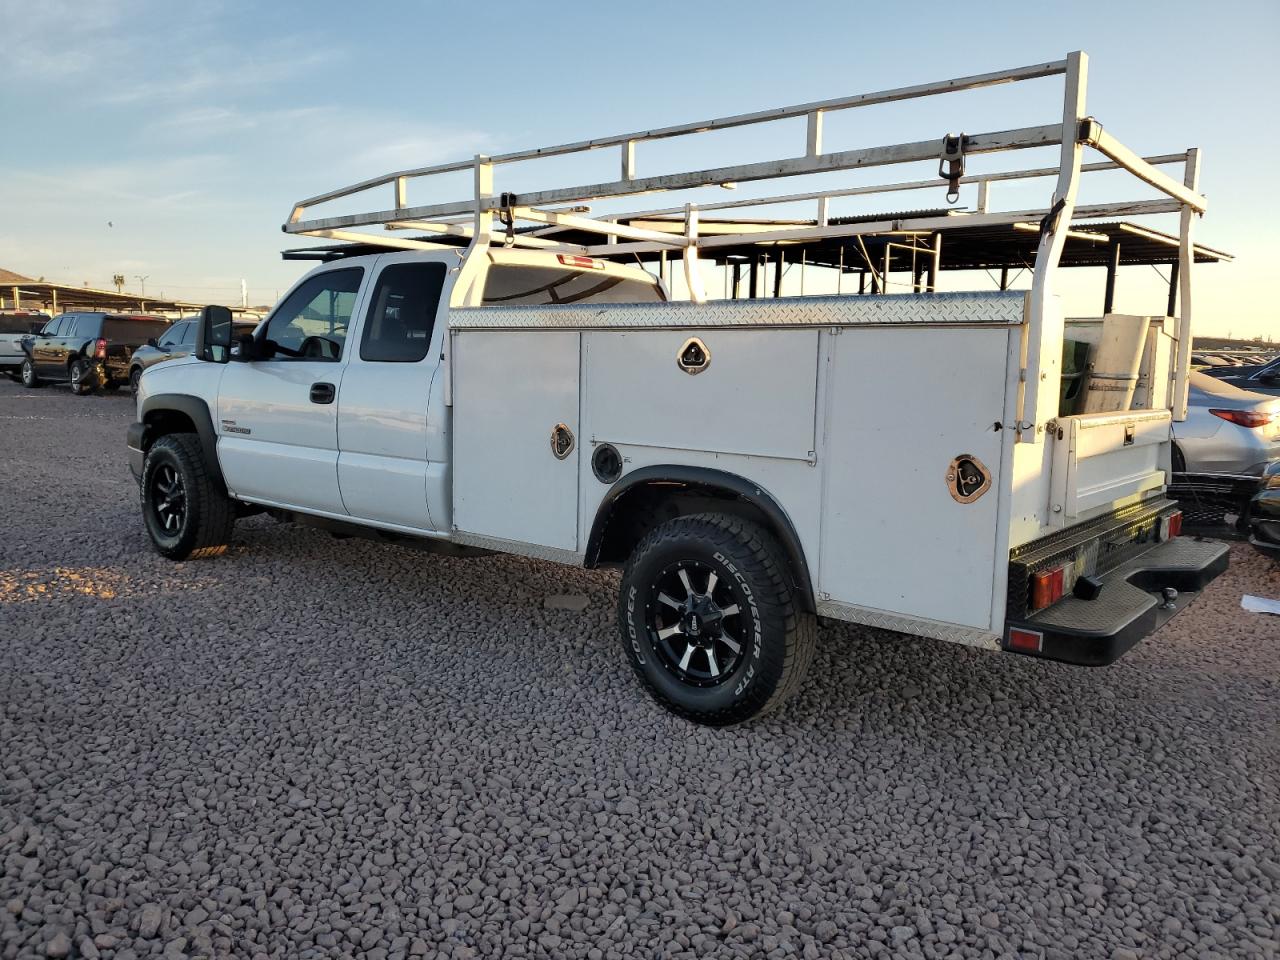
[510, 391]
[902, 404]
[756, 396]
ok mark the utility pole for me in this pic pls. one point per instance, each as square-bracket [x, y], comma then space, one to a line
[244, 293]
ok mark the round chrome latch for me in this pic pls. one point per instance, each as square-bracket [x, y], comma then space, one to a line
[561, 441]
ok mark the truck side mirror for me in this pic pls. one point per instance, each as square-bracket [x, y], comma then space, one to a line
[213, 336]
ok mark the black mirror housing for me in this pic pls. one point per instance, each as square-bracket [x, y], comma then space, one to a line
[213, 336]
[151, 342]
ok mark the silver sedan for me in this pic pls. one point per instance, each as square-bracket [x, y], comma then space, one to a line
[1228, 431]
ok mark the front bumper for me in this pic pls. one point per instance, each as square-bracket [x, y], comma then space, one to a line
[1264, 523]
[136, 439]
[1129, 606]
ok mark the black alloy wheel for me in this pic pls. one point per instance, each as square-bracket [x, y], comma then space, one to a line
[169, 499]
[711, 621]
[696, 623]
[185, 507]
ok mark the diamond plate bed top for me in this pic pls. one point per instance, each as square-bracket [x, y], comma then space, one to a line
[996, 307]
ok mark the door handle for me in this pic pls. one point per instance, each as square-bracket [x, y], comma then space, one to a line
[322, 393]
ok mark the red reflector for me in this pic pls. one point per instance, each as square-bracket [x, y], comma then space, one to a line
[1175, 524]
[100, 350]
[1246, 418]
[1025, 641]
[1046, 587]
[585, 263]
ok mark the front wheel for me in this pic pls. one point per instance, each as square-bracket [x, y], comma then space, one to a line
[710, 621]
[29, 378]
[135, 378]
[187, 513]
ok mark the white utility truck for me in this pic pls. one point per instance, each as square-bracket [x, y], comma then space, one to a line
[511, 380]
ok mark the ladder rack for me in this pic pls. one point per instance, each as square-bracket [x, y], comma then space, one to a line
[472, 218]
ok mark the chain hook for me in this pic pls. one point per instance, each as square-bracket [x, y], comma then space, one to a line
[507, 217]
[951, 164]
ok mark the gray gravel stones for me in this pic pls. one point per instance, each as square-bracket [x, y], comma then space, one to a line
[321, 748]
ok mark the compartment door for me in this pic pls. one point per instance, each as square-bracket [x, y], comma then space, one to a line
[903, 404]
[511, 391]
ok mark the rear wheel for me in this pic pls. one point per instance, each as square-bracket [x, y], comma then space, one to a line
[81, 378]
[187, 513]
[710, 622]
[29, 378]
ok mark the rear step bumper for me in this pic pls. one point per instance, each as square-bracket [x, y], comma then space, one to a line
[1130, 605]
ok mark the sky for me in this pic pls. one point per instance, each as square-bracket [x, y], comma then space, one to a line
[168, 141]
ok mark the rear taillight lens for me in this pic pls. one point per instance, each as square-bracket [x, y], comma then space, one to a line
[1047, 587]
[100, 349]
[585, 263]
[1026, 641]
[1247, 418]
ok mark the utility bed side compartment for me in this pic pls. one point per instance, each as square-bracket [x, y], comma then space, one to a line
[895, 539]
[511, 390]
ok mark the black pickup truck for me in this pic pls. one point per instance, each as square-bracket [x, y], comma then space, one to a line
[88, 350]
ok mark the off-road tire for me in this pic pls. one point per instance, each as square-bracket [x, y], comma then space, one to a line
[81, 376]
[28, 375]
[135, 377]
[208, 515]
[778, 636]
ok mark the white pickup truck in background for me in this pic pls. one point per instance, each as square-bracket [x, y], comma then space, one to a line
[15, 326]
[751, 465]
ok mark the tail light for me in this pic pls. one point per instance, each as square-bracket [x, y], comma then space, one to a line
[1246, 418]
[100, 349]
[1047, 587]
[1026, 641]
[584, 263]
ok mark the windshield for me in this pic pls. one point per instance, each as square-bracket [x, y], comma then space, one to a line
[133, 332]
[518, 285]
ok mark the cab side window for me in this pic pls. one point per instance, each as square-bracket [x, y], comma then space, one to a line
[174, 335]
[402, 313]
[312, 323]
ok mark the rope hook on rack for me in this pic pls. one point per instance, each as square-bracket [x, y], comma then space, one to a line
[951, 164]
[507, 217]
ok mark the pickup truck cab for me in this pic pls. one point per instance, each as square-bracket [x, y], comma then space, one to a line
[750, 465]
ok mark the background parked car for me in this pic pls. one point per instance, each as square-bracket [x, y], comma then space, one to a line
[178, 341]
[1258, 377]
[1264, 513]
[89, 350]
[14, 326]
[1229, 438]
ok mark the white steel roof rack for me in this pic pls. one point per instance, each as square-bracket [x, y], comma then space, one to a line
[556, 210]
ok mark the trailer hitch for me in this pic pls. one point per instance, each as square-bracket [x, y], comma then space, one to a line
[951, 164]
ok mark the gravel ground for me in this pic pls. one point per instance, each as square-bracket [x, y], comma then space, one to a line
[313, 747]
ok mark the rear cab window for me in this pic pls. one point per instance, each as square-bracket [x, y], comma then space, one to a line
[132, 333]
[510, 285]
